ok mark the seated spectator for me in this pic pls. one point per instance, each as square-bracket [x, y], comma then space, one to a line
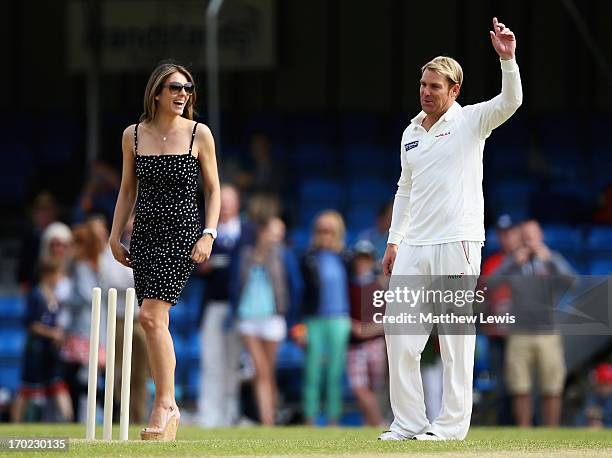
[597, 411]
[41, 373]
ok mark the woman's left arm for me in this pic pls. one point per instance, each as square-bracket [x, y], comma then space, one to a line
[212, 193]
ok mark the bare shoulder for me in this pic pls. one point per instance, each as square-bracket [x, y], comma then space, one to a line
[128, 132]
[127, 139]
[203, 132]
[204, 138]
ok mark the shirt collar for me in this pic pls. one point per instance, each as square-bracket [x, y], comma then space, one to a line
[448, 116]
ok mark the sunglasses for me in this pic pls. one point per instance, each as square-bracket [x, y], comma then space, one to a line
[175, 88]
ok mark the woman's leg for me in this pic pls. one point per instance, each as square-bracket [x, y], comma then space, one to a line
[263, 383]
[271, 350]
[337, 333]
[314, 356]
[154, 318]
[64, 404]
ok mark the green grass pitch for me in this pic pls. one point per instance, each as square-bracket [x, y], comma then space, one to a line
[319, 442]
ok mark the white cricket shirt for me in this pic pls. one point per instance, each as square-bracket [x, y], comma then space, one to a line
[439, 195]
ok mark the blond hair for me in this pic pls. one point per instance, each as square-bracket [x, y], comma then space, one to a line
[338, 232]
[155, 86]
[445, 66]
[54, 231]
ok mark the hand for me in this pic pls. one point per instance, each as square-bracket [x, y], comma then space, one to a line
[521, 255]
[120, 253]
[542, 253]
[503, 40]
[299, 333]
[201, 250]
[389, 259]
[57, 334]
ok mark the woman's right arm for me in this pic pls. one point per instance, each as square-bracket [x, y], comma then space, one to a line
[126, 198]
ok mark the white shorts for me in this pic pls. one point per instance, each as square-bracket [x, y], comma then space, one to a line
[273, 328]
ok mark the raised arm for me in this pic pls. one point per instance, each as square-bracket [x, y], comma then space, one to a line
[486, 116]
[126, 198]
[212, 190]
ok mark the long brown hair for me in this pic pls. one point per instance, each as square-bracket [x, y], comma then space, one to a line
[155, 86]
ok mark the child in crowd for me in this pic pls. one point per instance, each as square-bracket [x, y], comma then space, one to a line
[597, 412]
[41, 372]
[367, 360]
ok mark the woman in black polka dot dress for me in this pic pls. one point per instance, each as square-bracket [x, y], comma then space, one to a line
[162, 156]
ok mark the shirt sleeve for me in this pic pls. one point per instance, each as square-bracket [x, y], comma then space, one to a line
[401, 205]
[485, 116]
[35, 308]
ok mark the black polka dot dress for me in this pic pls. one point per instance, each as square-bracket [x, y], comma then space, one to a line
[167, 223]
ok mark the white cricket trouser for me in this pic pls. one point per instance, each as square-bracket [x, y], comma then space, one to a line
[413, 265]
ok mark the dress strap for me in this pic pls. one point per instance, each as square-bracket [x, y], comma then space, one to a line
[193, 137]
[136, 140]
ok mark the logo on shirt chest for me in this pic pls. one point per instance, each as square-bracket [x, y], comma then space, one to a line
[443, 134]
[411, 145]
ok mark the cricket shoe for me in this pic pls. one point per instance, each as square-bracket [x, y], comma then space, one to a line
[392, 436]
[429, 436]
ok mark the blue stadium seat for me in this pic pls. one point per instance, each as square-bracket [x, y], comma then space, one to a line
[271, 124]
[561, 237]
[601, 267]
[510, 192]
[505, 161]
[192, 382]
[600, 238]
[491, 241]
[12, 308]
[290, 355]
[299, 238]
[321, 190]
[15, 174]
[309, 127]
[360, 127]
[10, 375]
[12, 342]
[365, 159]
[372, 191]
[192, 346]
[360, 217]
[515, 131]
[314, 160]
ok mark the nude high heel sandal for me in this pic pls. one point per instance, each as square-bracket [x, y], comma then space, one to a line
[165, 433]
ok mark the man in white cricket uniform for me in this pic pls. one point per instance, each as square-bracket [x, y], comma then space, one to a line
[438, 229]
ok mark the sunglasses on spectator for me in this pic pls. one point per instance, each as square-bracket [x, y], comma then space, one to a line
[175, 88]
